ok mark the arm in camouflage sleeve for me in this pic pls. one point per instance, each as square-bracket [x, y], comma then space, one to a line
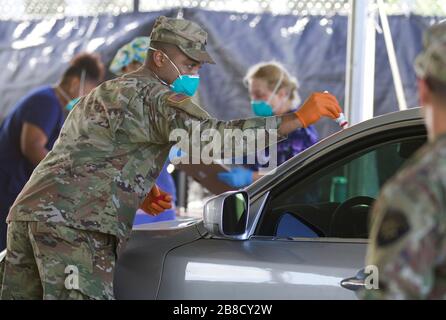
[180, 112]
[404, 243]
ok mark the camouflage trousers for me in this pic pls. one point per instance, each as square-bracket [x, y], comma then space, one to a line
[49, 261]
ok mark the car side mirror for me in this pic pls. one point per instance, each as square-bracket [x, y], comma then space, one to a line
[227, 215]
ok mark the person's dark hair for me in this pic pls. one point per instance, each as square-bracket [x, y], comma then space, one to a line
[436, 86]
[89, 63]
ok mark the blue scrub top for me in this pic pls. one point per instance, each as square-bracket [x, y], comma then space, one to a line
[40, 108]
[297, 141]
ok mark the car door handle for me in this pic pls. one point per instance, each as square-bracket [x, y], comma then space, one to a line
[353, 284]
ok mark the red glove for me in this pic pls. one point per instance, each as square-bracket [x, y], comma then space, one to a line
[156, 201]
[317, 106]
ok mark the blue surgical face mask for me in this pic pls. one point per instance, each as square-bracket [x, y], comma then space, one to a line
[72, 103]
[262, 108]
[185, 83]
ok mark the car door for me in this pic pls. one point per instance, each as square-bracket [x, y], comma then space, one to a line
[310, 235]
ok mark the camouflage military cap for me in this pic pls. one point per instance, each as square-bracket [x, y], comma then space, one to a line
[188, 36]
[432, 60]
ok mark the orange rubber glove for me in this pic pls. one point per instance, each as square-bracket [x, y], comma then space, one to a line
[317, 106]
[156, 201]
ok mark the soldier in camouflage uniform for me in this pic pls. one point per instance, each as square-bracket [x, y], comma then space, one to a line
[78, 207]
[408, 234]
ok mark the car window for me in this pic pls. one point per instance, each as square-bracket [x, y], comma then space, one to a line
[335, 200]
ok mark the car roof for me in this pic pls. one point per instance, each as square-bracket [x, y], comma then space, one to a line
[375, 125]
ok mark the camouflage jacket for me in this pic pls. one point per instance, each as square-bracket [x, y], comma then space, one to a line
[109, 153]
[408, 234]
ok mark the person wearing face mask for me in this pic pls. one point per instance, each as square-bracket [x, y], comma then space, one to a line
[273, 92]
[408, 230]
[78, 207]
[29, 131]
[128, 59]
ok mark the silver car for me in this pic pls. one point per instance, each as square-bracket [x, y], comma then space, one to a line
[300, 233]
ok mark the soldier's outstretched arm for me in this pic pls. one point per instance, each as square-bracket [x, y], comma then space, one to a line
[404, 242]
[180, 112]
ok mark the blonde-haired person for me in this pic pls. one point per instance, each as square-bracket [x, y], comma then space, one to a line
[273, 91]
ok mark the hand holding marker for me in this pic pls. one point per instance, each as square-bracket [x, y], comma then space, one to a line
[341, 120]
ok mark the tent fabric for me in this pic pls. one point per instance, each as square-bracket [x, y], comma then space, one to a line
[312, 48]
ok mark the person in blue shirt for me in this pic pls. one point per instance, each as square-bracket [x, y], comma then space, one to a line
[30, 130]
[273, 92]
[129, 58]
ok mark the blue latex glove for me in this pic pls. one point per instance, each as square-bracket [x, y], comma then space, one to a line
[237, 177]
